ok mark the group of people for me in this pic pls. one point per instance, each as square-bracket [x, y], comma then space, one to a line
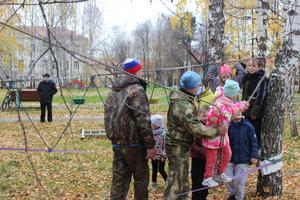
[205, 121]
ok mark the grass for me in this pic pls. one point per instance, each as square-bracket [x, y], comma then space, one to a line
[88, 176]
[93, 99]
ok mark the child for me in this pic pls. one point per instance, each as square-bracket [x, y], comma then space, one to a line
[220, 114]
[244, 148]
[255, 112]
[197, 153]
[158, 163]
[217, 76]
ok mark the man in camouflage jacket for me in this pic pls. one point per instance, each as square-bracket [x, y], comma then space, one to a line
[128, 126]
[183, 125]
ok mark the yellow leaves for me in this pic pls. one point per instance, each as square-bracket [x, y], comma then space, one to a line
[183, 18]
[8, 42]
[174, 22]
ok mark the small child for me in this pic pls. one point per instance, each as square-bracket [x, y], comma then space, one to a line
[225, 74]
[220, 114]
[158, 163]
[243, 143]
[256, 108]
[217, 76]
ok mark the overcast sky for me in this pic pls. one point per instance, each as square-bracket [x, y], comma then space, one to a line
[128, 13]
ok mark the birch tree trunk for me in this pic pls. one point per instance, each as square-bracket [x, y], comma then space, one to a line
[299, 76]
[273, 121]
[291, 105]
[262, 21]
[216, 22]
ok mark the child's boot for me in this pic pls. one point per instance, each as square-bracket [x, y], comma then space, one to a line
[209, 182]
[225, 178]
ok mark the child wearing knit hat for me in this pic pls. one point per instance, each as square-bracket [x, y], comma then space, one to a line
[220, 113]
[217, 75]
[158, 162]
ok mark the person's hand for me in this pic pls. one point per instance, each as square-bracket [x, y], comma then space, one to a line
[223, 129]
[150, 153]
[163, 159]
[253, 160]
[253, 117]
[246, 104]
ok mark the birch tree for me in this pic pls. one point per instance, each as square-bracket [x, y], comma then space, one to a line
[216, 22]
[273, 121]
[262, 21]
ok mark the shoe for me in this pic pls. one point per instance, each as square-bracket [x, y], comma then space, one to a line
[224, 178]
[154, 186]
[231, 198]
[210, 182]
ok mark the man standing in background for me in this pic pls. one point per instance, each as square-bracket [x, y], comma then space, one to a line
[46, 90]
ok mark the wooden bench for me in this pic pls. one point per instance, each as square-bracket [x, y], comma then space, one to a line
[26, 95]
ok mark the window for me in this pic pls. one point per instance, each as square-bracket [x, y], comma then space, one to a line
[76, 65]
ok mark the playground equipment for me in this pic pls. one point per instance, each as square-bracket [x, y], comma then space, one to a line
[92, 133]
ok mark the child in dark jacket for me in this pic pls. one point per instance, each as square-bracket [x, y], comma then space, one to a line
[158, 163]
[244, 149]
[255, 112]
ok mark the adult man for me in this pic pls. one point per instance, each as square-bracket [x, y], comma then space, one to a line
[128, 126]
[183, 124]
[46, 90]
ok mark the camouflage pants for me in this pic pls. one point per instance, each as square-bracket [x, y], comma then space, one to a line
[127, 162]
[178, 176]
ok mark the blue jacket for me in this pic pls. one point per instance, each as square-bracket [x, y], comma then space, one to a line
[243, 142]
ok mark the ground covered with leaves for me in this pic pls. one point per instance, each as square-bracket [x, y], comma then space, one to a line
[87, 174]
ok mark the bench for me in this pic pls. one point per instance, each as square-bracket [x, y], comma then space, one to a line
[26, 95]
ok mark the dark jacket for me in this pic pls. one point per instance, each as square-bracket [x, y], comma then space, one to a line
[126, 113]
[243, 142]
[197, 150]
[46, 90]
[250, 82]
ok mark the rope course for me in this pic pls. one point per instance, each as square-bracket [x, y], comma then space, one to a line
[52, 42]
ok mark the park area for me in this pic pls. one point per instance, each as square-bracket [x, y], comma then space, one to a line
[86, 173]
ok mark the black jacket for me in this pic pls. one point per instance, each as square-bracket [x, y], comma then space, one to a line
[46, 90]
[250, 82]
[243, 142]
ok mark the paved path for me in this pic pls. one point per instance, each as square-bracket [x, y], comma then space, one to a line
[37, 119]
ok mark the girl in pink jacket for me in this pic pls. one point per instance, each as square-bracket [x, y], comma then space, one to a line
[220, 113]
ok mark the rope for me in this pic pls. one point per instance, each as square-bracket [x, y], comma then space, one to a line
[233, 178]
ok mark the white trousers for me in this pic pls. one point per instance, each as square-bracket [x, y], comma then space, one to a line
[236, 187]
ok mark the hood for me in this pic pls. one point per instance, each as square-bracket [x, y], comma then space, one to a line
[221, 99]
[207, 92]
[124, 81]
[243, 121]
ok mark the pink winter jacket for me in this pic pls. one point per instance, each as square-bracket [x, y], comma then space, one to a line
[220, 114]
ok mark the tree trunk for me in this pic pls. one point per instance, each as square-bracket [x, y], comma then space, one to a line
[272, 132]
[216, 22]
[273, 121]
[292, 114]
[290, 101]
[262, 21]
[299, 76]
